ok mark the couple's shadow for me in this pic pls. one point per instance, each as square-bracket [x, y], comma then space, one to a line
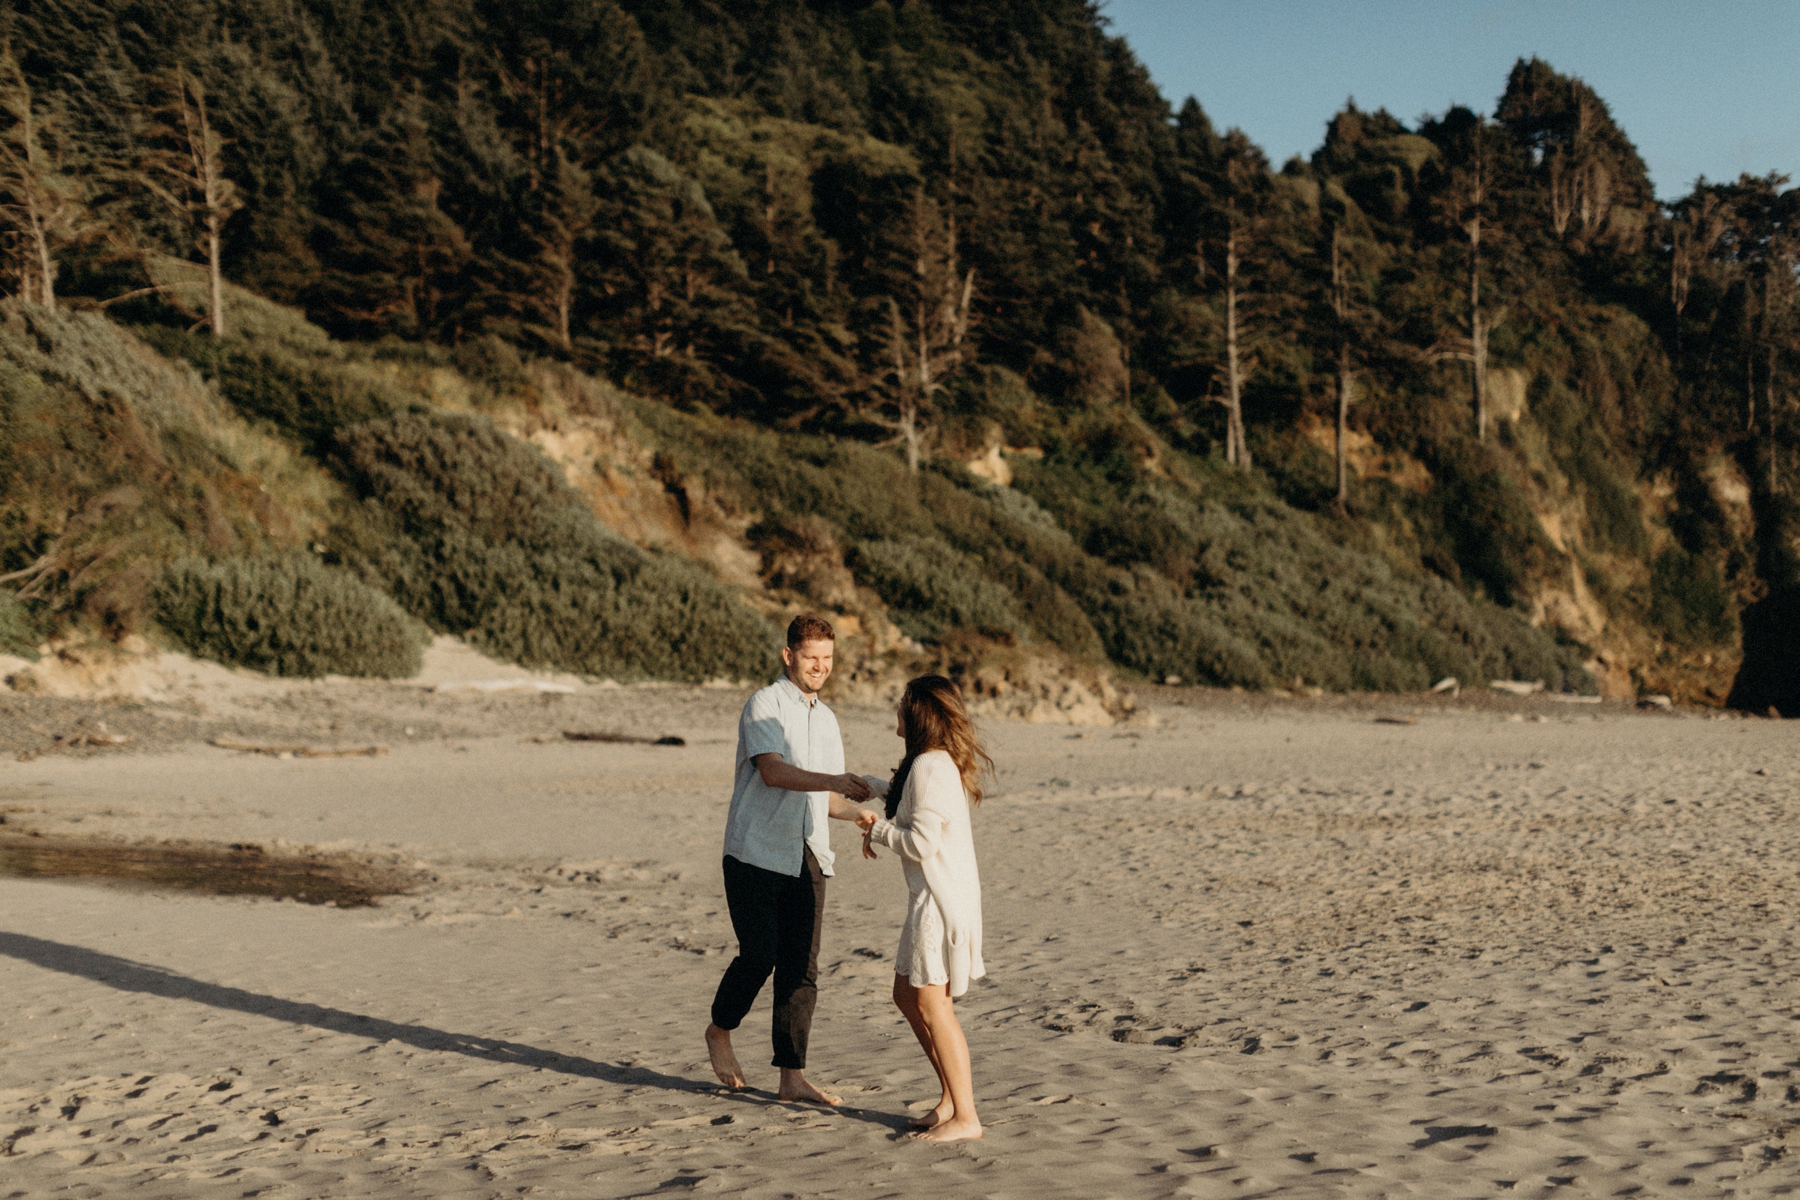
[129, 976]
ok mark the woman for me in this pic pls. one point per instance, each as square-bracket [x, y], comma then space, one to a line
[927, 824]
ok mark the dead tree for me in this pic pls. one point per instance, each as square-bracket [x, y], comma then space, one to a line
[1692, 236]
[40, 203]
[1237, 450]
[1580, 194]
[928, 329]
[187, 173]
[1478, 328]
[1346, 374]
[1467, 208]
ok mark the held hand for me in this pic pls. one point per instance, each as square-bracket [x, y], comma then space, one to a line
[868, 849]
[865, 819]
[852, 787]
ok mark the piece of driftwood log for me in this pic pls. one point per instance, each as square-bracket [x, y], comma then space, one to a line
[633, 739]
[299, 749]
[75, 742]
[1396, 720]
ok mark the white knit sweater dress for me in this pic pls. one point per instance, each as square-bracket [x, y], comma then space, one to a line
[931, 832]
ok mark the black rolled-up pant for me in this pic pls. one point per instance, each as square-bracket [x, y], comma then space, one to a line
[777, 919]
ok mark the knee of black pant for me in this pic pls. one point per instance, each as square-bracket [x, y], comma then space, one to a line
[757, 966]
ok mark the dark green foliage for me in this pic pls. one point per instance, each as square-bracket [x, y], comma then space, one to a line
[290, 615]
[934, 590]
[1689, 601]
[304, 397]
[1497, 540]
[479, 535]
[21, 631]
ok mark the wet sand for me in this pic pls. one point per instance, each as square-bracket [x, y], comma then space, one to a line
[1241, 948]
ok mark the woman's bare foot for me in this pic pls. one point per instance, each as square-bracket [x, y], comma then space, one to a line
[937, 1116]
[795, 1086]
[956, 1129]
[724, 1061]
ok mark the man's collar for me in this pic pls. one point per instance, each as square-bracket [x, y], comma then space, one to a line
[798, 691]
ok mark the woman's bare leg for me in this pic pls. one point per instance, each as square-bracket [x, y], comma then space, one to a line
[906, 999]
[952, 1061]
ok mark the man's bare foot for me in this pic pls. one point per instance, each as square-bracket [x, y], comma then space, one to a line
[956, 1129]
[937, 1116]
[724, 1061]
[795, 1086]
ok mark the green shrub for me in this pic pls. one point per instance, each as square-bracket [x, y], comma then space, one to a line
[305, 396]
[20, 631]
[932, 590]
[1689, 600]
[478, 534]
[287, 616]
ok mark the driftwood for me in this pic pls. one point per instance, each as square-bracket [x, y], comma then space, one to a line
[75, 742]
[1396, 720]
[299, 749]
[632, 739]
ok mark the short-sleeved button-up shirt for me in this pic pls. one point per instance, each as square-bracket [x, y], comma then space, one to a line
[771, 827]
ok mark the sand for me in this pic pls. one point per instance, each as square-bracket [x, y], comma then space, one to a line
[1241, 947]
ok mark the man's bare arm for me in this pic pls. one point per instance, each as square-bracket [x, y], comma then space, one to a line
[842, 810]
[777, 772]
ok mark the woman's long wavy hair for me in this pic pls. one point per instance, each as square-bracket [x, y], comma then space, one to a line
[933, 715]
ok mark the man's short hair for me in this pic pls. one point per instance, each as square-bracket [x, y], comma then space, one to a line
[808, 628]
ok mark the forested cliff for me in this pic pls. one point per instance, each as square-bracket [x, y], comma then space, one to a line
[941, 301]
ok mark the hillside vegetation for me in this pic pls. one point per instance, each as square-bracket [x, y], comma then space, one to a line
[605, 334]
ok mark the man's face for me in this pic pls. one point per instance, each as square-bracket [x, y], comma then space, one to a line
[809, 663]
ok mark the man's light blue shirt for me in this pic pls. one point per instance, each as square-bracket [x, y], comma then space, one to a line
[771, 827]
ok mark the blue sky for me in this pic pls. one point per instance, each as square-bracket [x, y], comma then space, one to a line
[1703, 87]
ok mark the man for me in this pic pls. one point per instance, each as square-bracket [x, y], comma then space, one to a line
[790, 780]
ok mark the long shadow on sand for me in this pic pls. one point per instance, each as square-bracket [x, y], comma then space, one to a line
[129, 976]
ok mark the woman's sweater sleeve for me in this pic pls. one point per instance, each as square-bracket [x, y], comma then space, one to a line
[923, 834]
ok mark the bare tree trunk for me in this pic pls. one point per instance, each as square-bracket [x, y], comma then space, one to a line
[206, 163]
[35, 219]
[910, 435]
[565, 299]
[1340, 307]
[1769, 404]
[1236, 451]
[1346, 396]
[46, 289]
[1749, 394]
[214, 276]
[909, 413]
[1477, 329]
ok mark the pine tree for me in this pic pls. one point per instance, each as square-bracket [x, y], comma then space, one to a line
[395, 259]
[670, 276]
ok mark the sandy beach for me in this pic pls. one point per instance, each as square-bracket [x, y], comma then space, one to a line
[1237, 947]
